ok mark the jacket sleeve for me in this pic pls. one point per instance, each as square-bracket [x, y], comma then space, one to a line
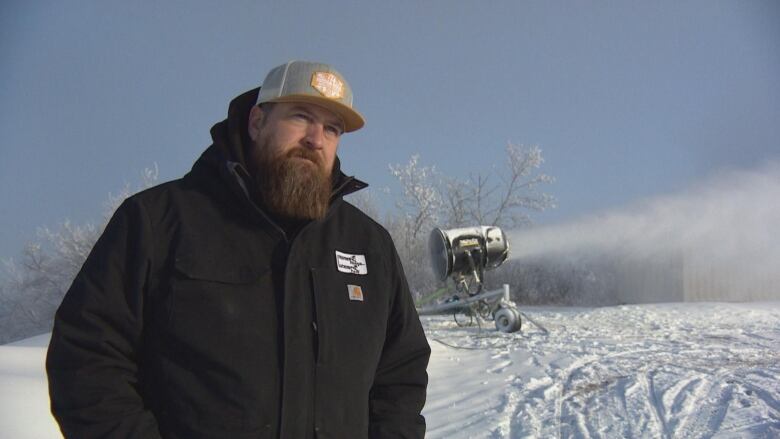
[92, 362]
[397, 396]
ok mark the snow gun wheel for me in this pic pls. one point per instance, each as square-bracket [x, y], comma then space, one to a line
[507, 320]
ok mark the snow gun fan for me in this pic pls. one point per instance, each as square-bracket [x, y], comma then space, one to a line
[465, 254]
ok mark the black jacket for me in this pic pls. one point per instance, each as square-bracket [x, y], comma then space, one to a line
[197, 316]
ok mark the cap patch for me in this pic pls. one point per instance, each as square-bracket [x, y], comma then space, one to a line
[328, 84]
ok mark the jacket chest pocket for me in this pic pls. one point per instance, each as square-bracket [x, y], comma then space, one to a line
[218, 306]
[351, 317]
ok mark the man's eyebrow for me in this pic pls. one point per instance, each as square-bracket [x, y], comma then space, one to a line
[335, 120]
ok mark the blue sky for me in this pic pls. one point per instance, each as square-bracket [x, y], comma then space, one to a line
[626, 99]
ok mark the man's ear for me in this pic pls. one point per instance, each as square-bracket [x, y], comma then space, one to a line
[256, 116]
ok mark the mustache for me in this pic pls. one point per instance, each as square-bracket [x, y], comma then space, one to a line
[304, 153]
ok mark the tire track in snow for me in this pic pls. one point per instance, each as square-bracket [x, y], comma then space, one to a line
[600, 391]
[656, 410]
[711, 408]
[631, 372]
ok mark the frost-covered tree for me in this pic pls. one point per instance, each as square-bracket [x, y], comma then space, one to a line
[421, 202]
[35, 283]
[503, 197]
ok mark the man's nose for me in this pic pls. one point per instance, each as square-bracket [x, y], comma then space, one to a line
[315, 136]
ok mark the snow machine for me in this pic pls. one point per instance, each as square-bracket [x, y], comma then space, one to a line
[463, 255]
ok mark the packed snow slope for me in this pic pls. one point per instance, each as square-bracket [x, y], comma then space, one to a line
[24, 397]
[692, 370]
[688, 370]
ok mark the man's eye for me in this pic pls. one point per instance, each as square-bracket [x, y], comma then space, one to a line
[302, 116]
[333, 130]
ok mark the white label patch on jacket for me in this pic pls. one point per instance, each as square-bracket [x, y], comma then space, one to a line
[353, 264]
[355, 292]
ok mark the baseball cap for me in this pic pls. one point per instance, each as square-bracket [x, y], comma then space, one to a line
[312, 82]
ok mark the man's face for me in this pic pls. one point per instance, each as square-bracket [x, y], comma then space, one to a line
[292, 125]
[292, 156]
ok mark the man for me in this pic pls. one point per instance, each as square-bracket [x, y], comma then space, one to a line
[247, 299]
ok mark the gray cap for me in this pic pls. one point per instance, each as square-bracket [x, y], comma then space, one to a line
[316, 83]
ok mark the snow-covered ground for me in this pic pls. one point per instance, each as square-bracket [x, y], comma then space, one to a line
[694, 370]
[24, 397]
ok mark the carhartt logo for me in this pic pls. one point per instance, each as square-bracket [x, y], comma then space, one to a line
[353, 264]
[355, 292]
[328, 84]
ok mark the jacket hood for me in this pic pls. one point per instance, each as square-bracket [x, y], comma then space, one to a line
[231, 136]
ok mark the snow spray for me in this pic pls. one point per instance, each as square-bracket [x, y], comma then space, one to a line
[722, 233]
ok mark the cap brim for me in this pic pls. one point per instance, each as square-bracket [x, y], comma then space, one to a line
[353, 121]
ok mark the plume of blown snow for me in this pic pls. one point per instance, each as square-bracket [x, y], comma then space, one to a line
[728, 223]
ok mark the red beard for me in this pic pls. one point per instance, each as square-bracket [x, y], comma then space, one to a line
[294, 185]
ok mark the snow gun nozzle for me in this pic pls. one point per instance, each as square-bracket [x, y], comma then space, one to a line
[465, 253]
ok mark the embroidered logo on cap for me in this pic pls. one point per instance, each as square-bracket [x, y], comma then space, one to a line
[328, 84]
[355, 292]
[353, 264]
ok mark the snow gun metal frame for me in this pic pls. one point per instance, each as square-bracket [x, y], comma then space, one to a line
[464, 255]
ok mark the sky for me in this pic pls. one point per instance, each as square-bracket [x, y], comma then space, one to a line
[627, 100]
